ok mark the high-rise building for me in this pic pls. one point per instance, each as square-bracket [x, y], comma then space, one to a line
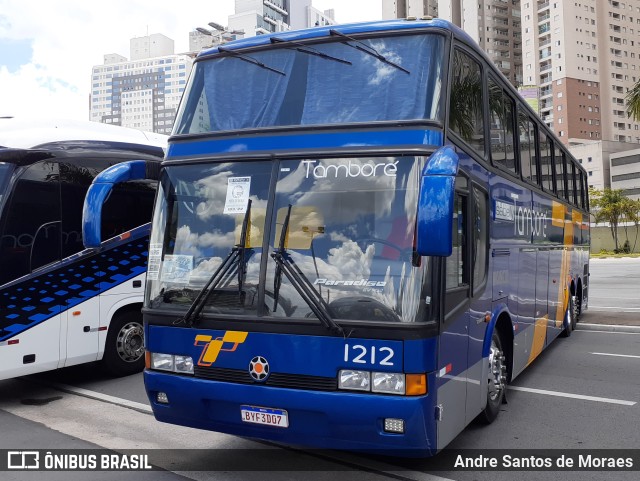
[583, 56]
[256, 17]
[303, 15]
[409, 8]
[144, 92]
[494, 24]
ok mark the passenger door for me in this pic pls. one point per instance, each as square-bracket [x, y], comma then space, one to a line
[454, 331]
[480, 301]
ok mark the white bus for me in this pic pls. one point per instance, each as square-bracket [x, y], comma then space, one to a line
[62, 305]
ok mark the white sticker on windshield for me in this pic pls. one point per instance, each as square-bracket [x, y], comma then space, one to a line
[153, 264]
[238, 189]
[177, 269]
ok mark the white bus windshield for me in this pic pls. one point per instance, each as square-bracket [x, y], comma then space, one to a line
[339, 81]
[349, 231]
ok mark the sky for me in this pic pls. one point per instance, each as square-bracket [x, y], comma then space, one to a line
[48, 48]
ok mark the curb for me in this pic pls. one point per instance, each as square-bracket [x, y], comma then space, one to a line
[607, 328]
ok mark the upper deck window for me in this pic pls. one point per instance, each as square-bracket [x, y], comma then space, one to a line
[286, 85]
[465, 108]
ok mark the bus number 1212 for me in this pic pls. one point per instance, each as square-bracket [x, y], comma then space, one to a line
[358, 354]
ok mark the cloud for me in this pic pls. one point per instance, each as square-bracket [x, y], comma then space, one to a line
[69, 37]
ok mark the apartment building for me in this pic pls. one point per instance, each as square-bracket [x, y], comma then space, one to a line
[409, 8]
[142, 92]
[256, 17]
[583, 55]
[494, 24]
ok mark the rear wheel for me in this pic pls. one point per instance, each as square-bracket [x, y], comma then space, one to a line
[577, 308]
[124, 349]
[496, 379]
[570, 320]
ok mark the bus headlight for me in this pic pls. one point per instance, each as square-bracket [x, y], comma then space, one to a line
[161, 362]
[184, 364]
[171, 363]
[388, 383]
[354, 380]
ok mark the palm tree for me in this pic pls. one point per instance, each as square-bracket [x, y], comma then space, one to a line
[633, 102]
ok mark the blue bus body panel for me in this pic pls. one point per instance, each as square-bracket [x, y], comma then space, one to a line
[326, 418]
[280, 142]
[347, 29]
[31, 300]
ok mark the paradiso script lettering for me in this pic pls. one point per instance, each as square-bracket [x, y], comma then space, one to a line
[350, 169]
[525, 220]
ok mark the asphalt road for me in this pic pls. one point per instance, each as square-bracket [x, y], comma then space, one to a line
[581, 393]
[614, 296]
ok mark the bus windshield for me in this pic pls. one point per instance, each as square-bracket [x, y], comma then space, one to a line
[339, 81]
[348, 233]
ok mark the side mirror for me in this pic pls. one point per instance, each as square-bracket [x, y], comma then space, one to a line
[100, 189]
[435, 204]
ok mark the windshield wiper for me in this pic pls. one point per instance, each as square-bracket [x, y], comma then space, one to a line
[301, 47]
[237, 252]
[363, 47]
[286, 265]
[252, 60]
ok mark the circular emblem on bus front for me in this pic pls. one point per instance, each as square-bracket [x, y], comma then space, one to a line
[259, 368]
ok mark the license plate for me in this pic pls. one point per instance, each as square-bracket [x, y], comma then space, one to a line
[265, 416]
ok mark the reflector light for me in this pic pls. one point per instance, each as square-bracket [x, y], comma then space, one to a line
[13, 341]
[393, 425]
[162, 398]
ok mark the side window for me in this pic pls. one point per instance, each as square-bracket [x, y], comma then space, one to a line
[535, 177]
[509, 122]
[559, 167]
[480, 236]
[457, 265]
[586, 194]
[525, 146]
[528, 160]
[572, 181]
[465, 110]
[31, 222]
[501, 129]
[580, 185]
[546, 165]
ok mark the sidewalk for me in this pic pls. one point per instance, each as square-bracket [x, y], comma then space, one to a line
[613, 318]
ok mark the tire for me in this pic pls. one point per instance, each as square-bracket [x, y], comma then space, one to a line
[577, 301]
[570, 320]
[124, 349]
[497, 381]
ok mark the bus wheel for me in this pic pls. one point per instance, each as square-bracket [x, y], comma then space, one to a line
[124, 349]
[571, 319]
[577, 309]
[497, 380]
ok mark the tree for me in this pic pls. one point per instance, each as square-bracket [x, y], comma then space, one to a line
[610, 205]
[633, 102]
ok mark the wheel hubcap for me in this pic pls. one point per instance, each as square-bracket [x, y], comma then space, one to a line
[130, 342]
[497, 372]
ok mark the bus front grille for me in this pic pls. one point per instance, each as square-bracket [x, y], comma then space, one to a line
[276, 379]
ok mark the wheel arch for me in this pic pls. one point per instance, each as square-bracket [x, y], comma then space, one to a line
[501, 323]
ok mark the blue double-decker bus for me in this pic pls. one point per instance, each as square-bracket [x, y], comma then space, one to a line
[362, 234]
